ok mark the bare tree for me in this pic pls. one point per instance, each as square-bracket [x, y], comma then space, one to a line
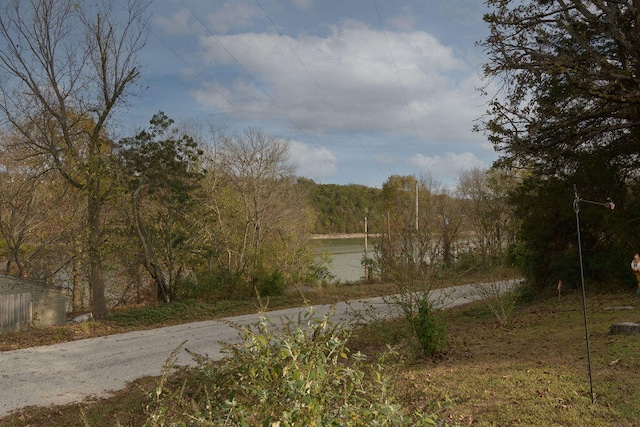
[490, 215]
[68, 65]
[263, 219]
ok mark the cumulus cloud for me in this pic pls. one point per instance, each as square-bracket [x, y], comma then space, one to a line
[348, 79]
[313, 161]
[447, 166]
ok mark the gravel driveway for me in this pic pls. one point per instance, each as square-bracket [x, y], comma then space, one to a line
[73, 371]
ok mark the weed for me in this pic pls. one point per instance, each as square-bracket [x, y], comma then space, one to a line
[501, 297]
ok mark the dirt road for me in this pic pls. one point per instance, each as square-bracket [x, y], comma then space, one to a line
[74, 371]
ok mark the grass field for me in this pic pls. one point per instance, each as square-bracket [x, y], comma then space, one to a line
[533, 371]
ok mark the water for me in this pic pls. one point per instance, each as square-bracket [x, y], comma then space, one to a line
[345, 257]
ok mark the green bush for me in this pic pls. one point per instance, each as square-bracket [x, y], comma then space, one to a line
[304, 375]
[269, 284]
[429, 329]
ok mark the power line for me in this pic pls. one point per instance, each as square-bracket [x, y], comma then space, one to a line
[317, 84]
[204, 81]
[257, 83]
[395, 67]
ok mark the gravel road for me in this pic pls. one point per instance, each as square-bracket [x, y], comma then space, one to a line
[73, 371]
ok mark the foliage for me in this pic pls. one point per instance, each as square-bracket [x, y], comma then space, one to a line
[342, 208]
[304, 375]
[489, 214]
[160, 170]
[567, 115]
[568, 75]
[501, 297]
[429, 329]
[414, 298]
[263, 221]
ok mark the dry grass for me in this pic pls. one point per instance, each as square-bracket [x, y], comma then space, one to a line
[535, 370]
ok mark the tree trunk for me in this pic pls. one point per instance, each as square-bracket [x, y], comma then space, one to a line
[78, 287]
[96, 276]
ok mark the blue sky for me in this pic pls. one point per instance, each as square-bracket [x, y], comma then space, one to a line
[363, 89]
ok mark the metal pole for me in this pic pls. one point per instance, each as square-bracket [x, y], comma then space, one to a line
[576, 208]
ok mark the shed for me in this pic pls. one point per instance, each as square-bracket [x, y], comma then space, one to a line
[48, 303]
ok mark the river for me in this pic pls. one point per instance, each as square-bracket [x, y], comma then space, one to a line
[345, 256]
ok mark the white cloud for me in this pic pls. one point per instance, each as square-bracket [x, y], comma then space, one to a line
[177, 24]
[316, 162]
[233, 15]
[349, 80]
[447, 166]
[302, 4]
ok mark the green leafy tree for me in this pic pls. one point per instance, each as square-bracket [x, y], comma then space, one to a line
[567, 113]
[342, 208]
[161, 169]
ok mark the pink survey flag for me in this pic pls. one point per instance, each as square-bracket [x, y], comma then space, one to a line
[559, 284]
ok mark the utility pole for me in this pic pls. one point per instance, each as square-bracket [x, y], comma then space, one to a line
[416, 206]
[366, 257]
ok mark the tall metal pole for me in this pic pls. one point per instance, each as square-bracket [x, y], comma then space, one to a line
[576, 208]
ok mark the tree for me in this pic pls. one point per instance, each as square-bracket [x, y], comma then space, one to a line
[489, 213]
[568, 70]
[68, 66]
[263, 219]
[569, 114]
[413, 242]
[161, 170]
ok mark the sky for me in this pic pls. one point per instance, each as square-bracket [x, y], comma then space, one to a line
[362, 89]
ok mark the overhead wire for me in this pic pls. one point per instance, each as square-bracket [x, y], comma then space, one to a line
[204, 81]
[207, 85]
[318, 86]
[395, 67]
[257, 83]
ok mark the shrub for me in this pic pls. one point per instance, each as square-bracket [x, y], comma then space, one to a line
[304, 375]
[428, 328]
[269, 284]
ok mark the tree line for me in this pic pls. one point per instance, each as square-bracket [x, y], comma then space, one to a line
[173, 211]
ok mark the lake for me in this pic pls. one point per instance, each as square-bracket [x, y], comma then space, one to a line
[345, 255]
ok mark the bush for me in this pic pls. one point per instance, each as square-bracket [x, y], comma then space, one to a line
[269, 284]
[302, 376]
[429, 330]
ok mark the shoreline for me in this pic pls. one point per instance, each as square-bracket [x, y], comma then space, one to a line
[342, 236]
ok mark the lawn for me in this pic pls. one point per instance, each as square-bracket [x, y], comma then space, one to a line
[534, 371]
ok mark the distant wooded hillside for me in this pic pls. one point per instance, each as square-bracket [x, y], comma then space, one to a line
[342, 208]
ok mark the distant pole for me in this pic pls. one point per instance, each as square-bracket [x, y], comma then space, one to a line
[366, 258]
[416, 206]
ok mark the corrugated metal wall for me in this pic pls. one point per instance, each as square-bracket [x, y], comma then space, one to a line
[16, 312]
[49, 304]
